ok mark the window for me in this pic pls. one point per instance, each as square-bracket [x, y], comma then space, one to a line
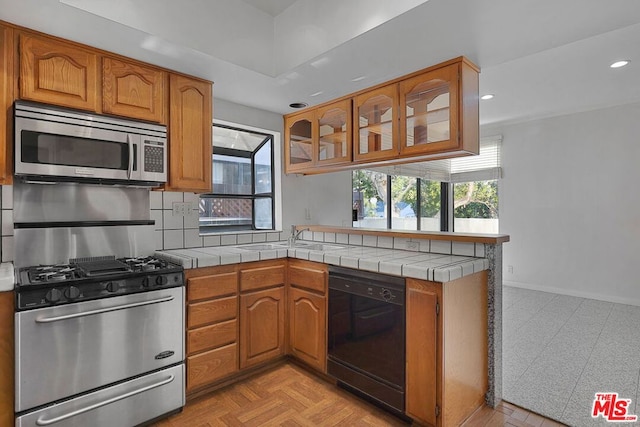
[458, 194]
[243, 182]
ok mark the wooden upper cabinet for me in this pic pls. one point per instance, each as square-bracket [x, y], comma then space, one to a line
[299, 131]
[57, 73]
[334, 133]
[7, 85]
[190, 123]
[435, 118]
[318, 137]
[376, 120]
[133, 91]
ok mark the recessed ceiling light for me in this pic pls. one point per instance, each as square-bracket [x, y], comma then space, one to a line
[487, 96]
[317, 93]
[619, 64]
[359, 78]
[298, 105]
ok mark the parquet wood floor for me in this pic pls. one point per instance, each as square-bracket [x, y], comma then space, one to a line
[289, 396]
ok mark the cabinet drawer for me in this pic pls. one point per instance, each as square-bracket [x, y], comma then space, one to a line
[206, 368]
[212, 311]
[309, 278]
[213, 286]
[263, 277]
[212, 336]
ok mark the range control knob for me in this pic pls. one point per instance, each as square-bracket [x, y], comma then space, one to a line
[145, 282]
[161, 280]
[386, 294]
[53, 295]
[72, 292]
[112, 287]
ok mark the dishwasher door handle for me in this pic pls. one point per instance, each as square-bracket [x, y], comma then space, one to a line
[46, 422]
[102, 310]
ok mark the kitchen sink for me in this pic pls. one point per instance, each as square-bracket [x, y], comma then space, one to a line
[262, 246]
[317, 246]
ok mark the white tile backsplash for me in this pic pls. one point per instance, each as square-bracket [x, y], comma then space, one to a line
[173, 239]
[171, 221]
[7, 248]
[156, 215]
[193, 198]
[463, 248]
[157, 235]
[192, 220]
[259, 237]
[318, 236]
[168, 197]
[243, 239]
[330, 237]
[7, 222]
[400, 243]
[228, 239]
[370, 241]
[7, 197]
[480, 250]
[441, 246]
[155, 199]
[211, 240]
[192, 238]
[385, 242]
[355, 239]
[342, 238]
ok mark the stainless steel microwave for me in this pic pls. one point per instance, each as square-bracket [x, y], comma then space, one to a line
[54, 144]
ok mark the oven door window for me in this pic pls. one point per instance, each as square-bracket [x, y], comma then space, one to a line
[50, 149]
[367, 335]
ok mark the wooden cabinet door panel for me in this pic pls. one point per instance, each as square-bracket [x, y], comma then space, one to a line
[206, 368]
[133, 90]
[212, 286]
[307, 327]
[261, 277]
[202, 313]
[57, 73]
[190, 123]
[212, 336]
[308, 277]
[421, 350]
[261, 326]
[6, 358]
[7, 84]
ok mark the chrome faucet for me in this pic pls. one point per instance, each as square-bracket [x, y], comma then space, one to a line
[295, 235]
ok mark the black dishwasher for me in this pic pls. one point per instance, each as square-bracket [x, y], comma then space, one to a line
[366, 337]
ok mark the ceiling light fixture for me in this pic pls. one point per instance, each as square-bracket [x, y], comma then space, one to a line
[487, 96]
[619, 64]
[298, 105]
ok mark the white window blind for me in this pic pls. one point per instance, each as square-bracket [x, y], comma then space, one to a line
[483, 167]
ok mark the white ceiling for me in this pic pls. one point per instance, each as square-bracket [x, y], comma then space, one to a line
[539, 57]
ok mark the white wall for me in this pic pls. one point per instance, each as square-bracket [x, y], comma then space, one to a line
[570, 203]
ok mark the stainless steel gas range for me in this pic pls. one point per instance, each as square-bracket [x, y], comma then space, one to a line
[99, 322]
[99, 342]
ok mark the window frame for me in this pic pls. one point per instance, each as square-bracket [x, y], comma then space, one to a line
[276, 192]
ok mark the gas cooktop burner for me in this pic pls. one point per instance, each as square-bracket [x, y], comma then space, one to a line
[85, 279]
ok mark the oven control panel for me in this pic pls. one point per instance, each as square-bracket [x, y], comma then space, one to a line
[30, 297]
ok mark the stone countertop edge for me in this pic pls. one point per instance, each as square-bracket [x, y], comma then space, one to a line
[7, 277]
[418, 265]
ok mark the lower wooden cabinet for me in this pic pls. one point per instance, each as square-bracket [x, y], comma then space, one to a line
[261, 326]
[208, 367]
[307, 327]
[446, 349]
[6, 358]
[307, 307]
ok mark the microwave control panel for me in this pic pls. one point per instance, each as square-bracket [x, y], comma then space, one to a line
[153, 157]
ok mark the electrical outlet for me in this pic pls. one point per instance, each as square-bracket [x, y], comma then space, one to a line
[510, 269]
[180, 208]
[413, 246]
[307, 213]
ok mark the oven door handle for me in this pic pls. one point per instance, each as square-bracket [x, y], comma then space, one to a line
[102, 310]
[130, 168]
[45, 422]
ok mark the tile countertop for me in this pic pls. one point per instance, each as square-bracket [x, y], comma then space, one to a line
[7, 278]
[418, 265]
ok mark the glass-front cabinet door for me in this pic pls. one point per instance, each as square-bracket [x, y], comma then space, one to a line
[299, 131]
[334, 128]
[429, 111]
[376, 118]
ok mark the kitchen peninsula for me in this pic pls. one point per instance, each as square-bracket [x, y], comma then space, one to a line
[459, 273]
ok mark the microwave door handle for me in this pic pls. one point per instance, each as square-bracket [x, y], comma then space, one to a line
[131, 147]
